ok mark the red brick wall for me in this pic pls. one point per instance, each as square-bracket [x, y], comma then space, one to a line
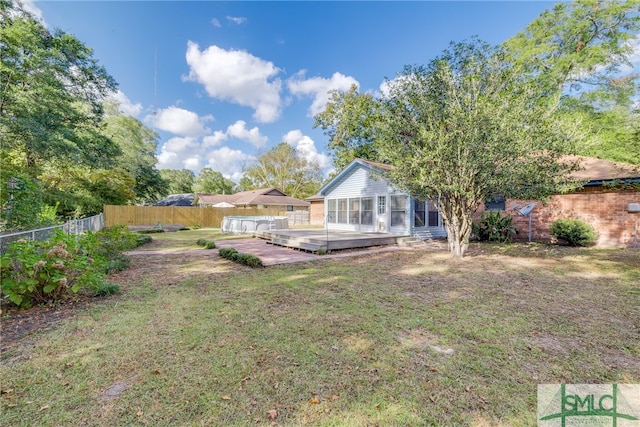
[606, 212]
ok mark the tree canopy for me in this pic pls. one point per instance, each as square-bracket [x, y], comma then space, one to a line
[60, 140]
[213, 182]
[282, 167]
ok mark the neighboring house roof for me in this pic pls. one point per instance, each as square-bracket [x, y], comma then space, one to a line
[596, 171]
[177, 200]
[316, 198]
[264, 196]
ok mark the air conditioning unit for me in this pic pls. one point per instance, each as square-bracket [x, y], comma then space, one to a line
[633, 207]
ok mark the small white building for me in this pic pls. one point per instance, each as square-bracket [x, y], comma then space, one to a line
[359, 198]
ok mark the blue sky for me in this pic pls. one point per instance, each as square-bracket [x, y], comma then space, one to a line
[223, 82]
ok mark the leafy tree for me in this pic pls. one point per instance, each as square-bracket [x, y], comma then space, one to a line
[282, 168]
[179, 181]
[579, 54]
[348, 121]
[466, 127]
[212, 182]
[138, 144]
[51, 96]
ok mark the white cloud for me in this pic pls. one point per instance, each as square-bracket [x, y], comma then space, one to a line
[180, 144]
[30, 6]
[306, 147]
[237, 19]
[228, 162]
[319, 88]
[179, 121]
[215, 22]
[237, 130]
[125, 106]
[634, 58]
[238, 77]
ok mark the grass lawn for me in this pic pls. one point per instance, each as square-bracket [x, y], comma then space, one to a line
[391, 339]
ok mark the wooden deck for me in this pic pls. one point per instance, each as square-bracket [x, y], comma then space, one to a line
[322, 240]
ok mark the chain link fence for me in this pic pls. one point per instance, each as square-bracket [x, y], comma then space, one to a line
[74, 226]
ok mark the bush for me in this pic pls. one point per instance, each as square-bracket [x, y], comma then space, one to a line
[151, 231]
[246, 259]
[49, 271]
[493, 227]
[208, 244]
[574, 232]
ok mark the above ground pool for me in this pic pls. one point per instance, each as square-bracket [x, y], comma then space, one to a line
[249, 224]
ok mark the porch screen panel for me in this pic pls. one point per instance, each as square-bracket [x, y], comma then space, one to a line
[366, 211]
[331, 211]
[354, 211]
[398, 210]
[419, 213]
[434, 215]
[342, 211]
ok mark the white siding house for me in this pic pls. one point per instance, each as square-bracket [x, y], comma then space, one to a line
[359, 198]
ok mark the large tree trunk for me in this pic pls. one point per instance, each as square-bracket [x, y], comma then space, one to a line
[457, 218]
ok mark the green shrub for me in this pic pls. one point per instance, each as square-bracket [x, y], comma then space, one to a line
[56, 269]
[106, 289]
[39, 272]
[573, 232]
[227, 252]
[151, 231]
[144, 239]
[208, 244]
[246, 259]
[493, 227]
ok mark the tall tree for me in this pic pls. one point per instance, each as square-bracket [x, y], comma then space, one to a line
[348, 121]
[579, 54]
[467, 127]
[213, 182]
[51, 93]
[138, 144]
[179, 181]
[283, 168]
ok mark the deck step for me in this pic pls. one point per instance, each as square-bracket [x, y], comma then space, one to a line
[289, 243]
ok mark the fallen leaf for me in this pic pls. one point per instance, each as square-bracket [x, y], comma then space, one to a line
[68, 364]
[7, 391]
[139, 413]
[58, 375]
[44, 407]
[335, 397]
[467, 389]
[156, 372]
[66, 384]
[272, 414]
[314, 400]
[225, 397]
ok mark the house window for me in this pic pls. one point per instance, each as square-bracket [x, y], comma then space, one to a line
[331, 211]
[398, 210]
[354, 211]
[382, 205]
[366, 213]
[289, 208]
[434, 215]
[342, 211]
[418, 213]
[495, 203]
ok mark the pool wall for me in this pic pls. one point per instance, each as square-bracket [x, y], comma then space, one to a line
[250, 224]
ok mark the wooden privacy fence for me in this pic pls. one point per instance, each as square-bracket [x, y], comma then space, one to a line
[177, 215]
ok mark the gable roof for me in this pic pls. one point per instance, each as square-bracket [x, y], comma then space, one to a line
[356, 163]
[264, 196]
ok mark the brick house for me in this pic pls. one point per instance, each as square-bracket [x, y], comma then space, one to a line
[602, 201]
